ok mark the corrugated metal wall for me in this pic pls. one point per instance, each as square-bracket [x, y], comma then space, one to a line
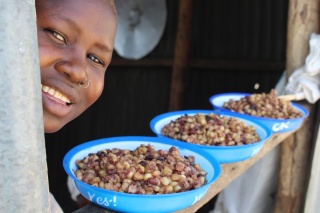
[235, 44]
[240, 30]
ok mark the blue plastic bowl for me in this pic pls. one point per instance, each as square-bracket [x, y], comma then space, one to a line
[276, 125]
[125, 202]
[224, 154]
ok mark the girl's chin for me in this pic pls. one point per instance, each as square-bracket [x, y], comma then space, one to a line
[52, 125]
[52, 129]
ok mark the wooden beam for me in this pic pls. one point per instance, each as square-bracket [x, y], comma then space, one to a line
[303, 19]
[181, 55]
[230, 172]
[203, 64]
[237, 65]
[294, 169]
[119, 62]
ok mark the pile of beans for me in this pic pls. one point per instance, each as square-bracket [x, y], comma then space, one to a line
[263, 105]
[141, 171]
[211, 129]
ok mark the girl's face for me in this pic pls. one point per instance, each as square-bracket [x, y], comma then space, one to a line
[75, 39]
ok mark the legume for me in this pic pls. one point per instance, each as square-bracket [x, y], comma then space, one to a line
[211, 129]
[263, 105]
[141, 171]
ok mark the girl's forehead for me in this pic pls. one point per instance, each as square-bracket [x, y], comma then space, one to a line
[92, 20]
[97, 11]
[56, 5]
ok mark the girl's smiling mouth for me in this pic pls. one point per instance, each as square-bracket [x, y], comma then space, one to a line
[55, 95]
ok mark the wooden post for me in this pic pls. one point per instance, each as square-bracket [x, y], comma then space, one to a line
[181, 56]
[303, 19]
[23, 166]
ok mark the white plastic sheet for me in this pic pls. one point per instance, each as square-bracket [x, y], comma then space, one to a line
[305, 81]
[54, 206]
[313, 193]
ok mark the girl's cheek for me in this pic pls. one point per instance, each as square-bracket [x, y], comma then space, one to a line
[96, 91]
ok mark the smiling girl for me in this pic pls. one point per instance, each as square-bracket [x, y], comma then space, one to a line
[75, 40]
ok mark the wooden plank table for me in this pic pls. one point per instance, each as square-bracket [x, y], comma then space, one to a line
[229, 172]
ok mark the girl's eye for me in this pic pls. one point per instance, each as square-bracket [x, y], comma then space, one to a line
[94, 59]
[55, 36]
[58, 36]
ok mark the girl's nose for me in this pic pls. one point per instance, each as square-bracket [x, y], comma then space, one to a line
[74, 68]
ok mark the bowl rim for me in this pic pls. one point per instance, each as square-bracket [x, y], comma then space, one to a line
[267, 130]
[211, 159]
[300, 108]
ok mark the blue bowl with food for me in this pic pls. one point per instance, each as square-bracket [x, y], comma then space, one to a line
[228, 137]
[279, 115]
[141, 174]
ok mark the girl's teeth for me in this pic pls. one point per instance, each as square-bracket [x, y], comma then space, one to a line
[65, 99]
[51, 91]
[55, 93]
[58, 95]
[45, 88]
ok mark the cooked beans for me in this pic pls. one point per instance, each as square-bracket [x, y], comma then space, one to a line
[211, 129]
[141, 171]
[263, 105]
